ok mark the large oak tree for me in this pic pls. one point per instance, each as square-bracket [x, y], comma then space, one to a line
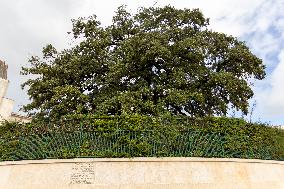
[157, 61]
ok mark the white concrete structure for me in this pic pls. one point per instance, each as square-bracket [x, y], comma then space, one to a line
[142, 173]
[6, 105]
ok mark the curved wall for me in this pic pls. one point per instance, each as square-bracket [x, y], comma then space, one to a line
[160, 173]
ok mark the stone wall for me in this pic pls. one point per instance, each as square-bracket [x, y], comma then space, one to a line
[143, 173]
[19, 118]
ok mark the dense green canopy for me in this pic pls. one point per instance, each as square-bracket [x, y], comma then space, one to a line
[160, 60]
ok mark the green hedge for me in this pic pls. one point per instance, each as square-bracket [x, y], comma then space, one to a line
[240, 138]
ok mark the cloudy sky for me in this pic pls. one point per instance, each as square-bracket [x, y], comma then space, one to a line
[26, 26]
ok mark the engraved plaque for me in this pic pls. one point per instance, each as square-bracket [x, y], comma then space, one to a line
[83, 173]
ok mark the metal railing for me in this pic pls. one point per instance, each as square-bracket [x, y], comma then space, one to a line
[121, 143]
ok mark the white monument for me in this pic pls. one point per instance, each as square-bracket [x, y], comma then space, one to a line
[6, 104]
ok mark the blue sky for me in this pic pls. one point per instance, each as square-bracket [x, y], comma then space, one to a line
[27, 26]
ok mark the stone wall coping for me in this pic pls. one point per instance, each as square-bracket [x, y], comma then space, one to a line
[140, 159]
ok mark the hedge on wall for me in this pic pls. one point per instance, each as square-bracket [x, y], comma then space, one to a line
[240, 139]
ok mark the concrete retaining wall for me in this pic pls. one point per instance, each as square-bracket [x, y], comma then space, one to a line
[162, 173]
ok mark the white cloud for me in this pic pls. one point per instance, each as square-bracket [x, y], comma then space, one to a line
[271, 99]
